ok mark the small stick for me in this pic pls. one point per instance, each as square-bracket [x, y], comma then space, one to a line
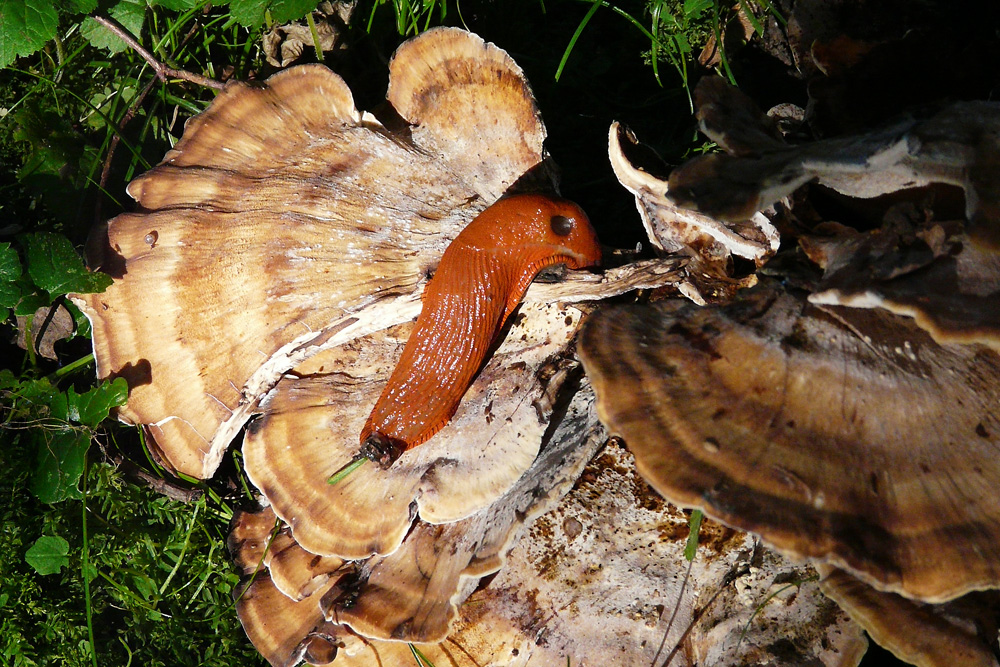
[162, 71]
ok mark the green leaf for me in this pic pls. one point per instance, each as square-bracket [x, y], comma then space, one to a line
[131, 14]
[92, 407]
[10, 294]
[83, 327]
[31, 300]
[62, 447]
[48, 554]
[55, 266]
[83, 6]
[10, 271]
[25, 27]
[283, 11]
[10, 265]
[176, 5]
[249, 13]
[62, 454]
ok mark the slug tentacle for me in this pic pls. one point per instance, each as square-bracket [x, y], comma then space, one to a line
[478, 284]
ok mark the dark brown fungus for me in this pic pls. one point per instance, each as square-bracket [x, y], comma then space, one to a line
[958, 145]
[841, 434]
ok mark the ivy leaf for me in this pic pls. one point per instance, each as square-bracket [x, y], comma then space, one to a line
[131, 14]
[55, 266]
[10, 271]
[25, 27]
[48, 554]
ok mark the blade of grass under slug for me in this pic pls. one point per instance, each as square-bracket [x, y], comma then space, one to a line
[341, 474]
[421, 659]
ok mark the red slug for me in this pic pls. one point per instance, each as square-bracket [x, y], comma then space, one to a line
[478, 284]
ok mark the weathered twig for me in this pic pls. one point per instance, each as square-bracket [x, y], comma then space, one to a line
[162, 71]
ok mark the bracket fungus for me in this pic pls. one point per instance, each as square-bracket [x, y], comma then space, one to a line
[958, 145]
[278, 254]
[276, 259]
[849, 418]
[411, 594]
[602, 529]
[285, 221]
[936, 275]
[310, 427]
[958, 634]
[839, 434]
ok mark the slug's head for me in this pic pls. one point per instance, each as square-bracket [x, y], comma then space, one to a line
[542, 228]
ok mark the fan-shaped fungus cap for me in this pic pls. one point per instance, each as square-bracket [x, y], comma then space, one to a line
[469, 102]
[959, 145]
[287, 632]
[310, 428]
[919, 634]
[848, 435]
[283, 221]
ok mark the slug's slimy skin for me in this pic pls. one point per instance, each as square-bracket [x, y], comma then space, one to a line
[478, 284]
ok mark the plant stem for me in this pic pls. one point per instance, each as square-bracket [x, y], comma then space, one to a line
[315, 37]
[72, 366]
[86, 567]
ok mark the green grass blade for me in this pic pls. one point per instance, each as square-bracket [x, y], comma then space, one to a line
[576, 35]
[691, 548]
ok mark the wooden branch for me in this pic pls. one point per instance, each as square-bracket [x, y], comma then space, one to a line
[162, 71]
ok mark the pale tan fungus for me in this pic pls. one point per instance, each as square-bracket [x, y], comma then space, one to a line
[709, 243]
[285, 221]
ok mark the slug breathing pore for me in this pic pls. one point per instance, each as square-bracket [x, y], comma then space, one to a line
[480, 281]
